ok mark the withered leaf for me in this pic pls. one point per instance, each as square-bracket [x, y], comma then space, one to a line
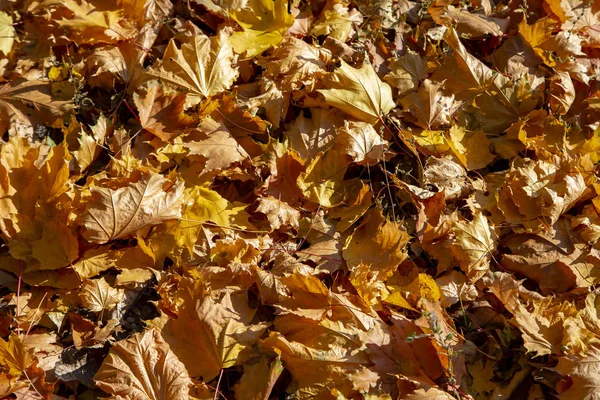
[143, 366]
[119, 213]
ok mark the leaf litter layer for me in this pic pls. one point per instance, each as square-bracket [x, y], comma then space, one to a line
[263, 199]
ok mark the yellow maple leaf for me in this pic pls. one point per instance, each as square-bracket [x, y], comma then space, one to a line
[202, 67]
[7, 33]
[264, 23]
[358, 92]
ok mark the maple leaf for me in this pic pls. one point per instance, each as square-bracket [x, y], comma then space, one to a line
[123, 61]
[337, 21]
[471, 148]
[429, 105]
[556, 259]
[378, 243]
[294, 65]
[32, 225]
[18, 96]
[147, 10]
[259, 378]
[162, 113]
[215, 144]
[264, 23]
[278, 212]
[15, 356]
[583, 374]
[361, 142]
[90, 146]
[203, 67]
[358, 92]
[536, 192]
[468, 24]
[119, 213]
[7, 33]
[98, 296]
[309, 136]
[95, 261]
[406, 72]
[143, 366]
[209, 335]
[312, 361]
[87, 23]
[322, 183]
[537, 34]
[473, 245]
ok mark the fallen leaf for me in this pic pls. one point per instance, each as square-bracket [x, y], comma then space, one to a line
[98, 296]
[203, 68]
[264, 24]
[358, 92]
[119, 213]
[209, 335]
[431, 108]
[143, 366]
[378, 243]
[360, 141]
[7, 33]
[278, 213]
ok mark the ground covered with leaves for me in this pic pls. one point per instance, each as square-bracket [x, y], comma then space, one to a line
[263, 199]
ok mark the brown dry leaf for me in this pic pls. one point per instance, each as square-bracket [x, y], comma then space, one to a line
[119, 213]
[7, 33]
[378, 243]
[264, 24]
[203, 67]
[278, 213]
[214, 143]
[473, 246]
[16, 99]
[537, 34]
[258, 379]
[556, 259]
[468, 243]
[208, 334]
[85, 23]
[98, 296]
[296, 293]
[406, 72]
[294, 65]
[33, 224]
[123, 61]
[312, 134]
[454, 288]
[317, 354]
[469, 24]
[430, 393]
[144, 11]
[162, 113]
[358, 92]
[447, 176]
[429, 105]
[583, 373]
[360, 141]
[143, 367]
[537, 193]
[90, 145]
[337, 21]
[562, 93]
